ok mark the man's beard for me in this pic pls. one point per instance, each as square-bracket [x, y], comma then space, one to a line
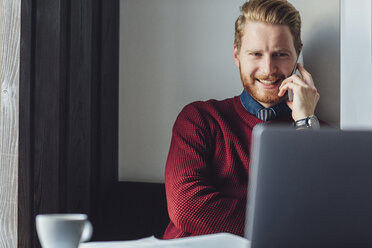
[270, 96]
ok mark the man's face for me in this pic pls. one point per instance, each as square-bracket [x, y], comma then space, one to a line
[267, 56]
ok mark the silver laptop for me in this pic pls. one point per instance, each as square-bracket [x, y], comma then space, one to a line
[310, 188]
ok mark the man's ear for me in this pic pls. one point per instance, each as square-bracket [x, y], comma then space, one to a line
[236, 56]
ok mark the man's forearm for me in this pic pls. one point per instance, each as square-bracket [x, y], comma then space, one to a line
[199, 209]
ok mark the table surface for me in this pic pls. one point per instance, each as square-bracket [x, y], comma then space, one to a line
[206, 241]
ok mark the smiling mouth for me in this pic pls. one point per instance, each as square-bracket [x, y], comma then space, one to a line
[269, 82]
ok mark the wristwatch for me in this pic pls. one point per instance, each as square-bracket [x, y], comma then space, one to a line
[308, 122]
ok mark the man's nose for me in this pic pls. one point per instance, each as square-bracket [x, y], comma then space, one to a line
[268, 65]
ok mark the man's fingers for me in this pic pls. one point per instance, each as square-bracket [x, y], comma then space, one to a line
[306, 75]
[288, 85]
[294, 79]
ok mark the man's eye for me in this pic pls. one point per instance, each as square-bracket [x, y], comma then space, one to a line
[256, 54]
[280, 55]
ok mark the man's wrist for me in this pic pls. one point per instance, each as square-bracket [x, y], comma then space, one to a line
[310, 122]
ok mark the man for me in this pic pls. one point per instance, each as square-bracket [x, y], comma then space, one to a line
[208, 163]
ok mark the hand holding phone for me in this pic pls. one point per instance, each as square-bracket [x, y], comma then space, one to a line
[300, 59]
[306, 96]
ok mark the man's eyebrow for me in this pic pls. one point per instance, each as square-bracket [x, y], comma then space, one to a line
[282, 50]
[253, 51]
[260, 50]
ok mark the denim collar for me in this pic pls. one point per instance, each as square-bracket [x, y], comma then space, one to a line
[252, 106]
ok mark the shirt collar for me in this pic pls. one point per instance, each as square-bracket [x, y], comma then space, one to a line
[252, 106]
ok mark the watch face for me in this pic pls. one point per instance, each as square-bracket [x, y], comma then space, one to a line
[313, 122]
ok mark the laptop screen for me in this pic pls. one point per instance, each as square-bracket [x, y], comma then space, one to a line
[310, 188]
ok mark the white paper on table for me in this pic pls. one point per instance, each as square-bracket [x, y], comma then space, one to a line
[218, 240]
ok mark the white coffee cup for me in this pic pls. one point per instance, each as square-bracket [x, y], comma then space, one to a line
[63, 230]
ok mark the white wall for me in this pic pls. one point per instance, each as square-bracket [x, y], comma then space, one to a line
[356, 65]
[173, 52]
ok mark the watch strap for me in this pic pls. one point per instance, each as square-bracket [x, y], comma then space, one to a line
[308, 122]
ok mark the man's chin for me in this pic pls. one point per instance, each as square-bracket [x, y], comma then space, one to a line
[269, 100]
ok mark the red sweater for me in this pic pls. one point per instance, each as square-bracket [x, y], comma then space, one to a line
[206, 174]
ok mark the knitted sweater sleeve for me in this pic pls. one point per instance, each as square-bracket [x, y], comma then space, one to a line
[195, 205]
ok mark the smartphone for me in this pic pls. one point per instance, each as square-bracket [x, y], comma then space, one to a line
[300, 59]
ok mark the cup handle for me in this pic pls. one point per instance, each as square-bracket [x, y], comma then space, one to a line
[88, 231]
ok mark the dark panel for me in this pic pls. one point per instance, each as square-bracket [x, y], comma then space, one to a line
[79, 140]
[62, 84]
[108, 108]
[55, 141]
[109, 88]
[95, 112]
[25, 165]
[49, 86]
[95, 210]
[69, 123]
[135, 210]
[49, 112]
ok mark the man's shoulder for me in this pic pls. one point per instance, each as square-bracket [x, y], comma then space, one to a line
[206, 112]
[209, 105]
